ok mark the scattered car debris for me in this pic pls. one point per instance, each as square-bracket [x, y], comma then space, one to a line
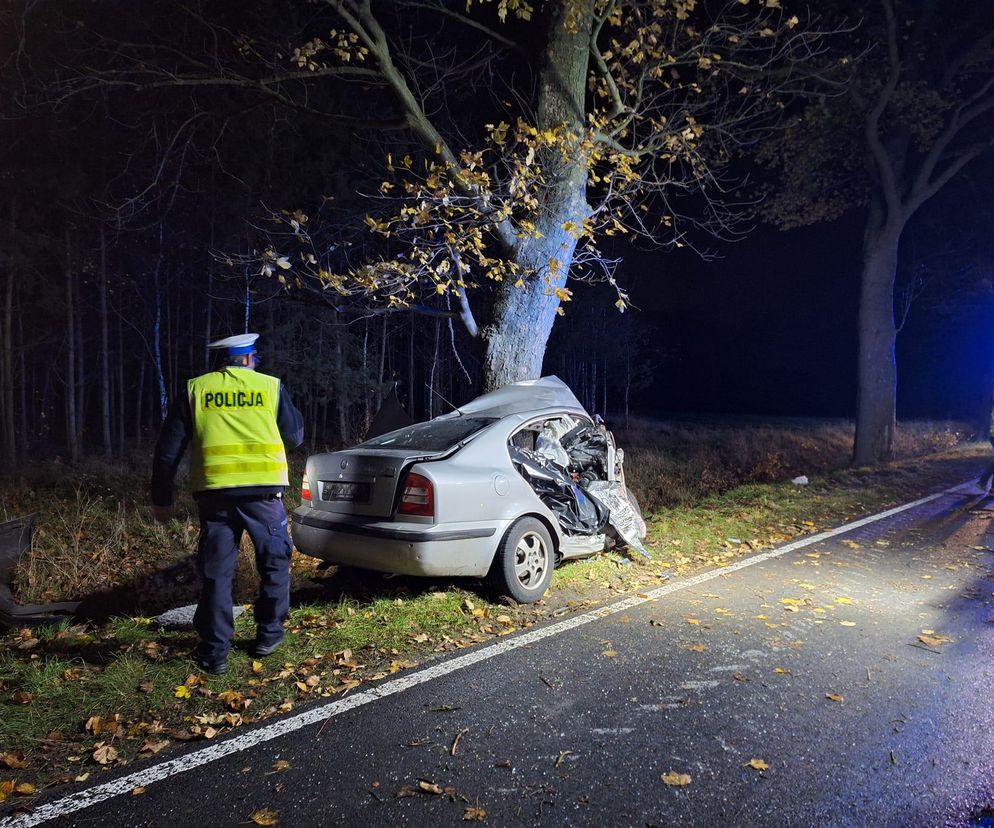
[15, 540]
[181, 618]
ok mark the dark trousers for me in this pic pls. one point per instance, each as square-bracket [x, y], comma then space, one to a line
[222, 521]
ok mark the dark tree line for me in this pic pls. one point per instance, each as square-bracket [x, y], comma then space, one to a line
[154, 165]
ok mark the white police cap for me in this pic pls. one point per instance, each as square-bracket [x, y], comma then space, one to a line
[236, 345]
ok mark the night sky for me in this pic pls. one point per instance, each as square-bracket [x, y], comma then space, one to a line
[768, 326]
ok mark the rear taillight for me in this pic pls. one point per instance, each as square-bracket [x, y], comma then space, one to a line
[305, 490]
[418, 497]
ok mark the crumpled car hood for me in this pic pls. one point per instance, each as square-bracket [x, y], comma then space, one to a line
[524, 397]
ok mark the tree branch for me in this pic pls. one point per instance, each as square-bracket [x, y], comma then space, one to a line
[618, 105]
[872, 122]
[368, 28]
[466, 20]
[968, 111]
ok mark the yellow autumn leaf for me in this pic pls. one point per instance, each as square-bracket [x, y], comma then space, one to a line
[25, 789]
[264, 816]
[934, 640]
[256, 666]
[836, 697]
[182, 692]
[610, 654]
[848, 623]
[104, 754]
[757, 764]
[843, 600]
[675, 779]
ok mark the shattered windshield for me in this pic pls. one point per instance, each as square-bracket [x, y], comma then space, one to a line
[435, 435]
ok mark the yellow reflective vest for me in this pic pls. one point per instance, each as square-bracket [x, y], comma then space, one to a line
[236, 441]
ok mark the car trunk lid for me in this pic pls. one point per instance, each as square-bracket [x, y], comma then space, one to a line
[357, 482]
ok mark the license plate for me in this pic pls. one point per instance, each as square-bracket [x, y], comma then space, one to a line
[345, 491]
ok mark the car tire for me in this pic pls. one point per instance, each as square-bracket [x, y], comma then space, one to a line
[522, 567]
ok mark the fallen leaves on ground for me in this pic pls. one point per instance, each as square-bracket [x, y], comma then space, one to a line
[757, 764]
[430, 787]
[675, 779]
[934, 639]
[152, 746]
[9, 787]
[472, 814]
[13, 760]
[182, 692]
[836, 697]
[264, 816]
[104, 754]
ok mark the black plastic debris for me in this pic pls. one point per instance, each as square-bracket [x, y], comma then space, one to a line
[15, 540]
[577, 511]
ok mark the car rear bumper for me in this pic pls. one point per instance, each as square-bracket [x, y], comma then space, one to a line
[464, 549]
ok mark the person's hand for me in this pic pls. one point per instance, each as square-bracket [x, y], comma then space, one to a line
[162, 514]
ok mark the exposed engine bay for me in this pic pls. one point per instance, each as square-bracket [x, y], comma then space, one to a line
[578, 473]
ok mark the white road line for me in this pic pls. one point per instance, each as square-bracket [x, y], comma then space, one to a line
[156, 773]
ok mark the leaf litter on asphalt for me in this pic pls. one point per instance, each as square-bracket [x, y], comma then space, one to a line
[264, 816]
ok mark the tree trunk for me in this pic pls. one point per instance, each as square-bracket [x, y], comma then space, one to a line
[9, 429]
[80, 360]
[520, 319]
[139, 400]
[104, 350]
[25, 418]
[157, 336]
[877, 371]
[72, 435]
[121, 427]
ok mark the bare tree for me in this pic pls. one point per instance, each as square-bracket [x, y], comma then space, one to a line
[918, 110]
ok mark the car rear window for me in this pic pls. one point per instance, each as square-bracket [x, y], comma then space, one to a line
[435, 435]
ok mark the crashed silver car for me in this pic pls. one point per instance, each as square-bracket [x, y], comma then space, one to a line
[505, 487]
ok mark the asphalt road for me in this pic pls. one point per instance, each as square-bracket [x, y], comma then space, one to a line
[579, 728]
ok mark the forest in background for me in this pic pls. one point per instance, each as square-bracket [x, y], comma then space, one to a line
[131, 231]
[134, 218]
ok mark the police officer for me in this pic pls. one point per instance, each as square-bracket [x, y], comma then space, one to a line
[237, 422]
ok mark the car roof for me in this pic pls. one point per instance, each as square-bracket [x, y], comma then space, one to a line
[527, 397]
